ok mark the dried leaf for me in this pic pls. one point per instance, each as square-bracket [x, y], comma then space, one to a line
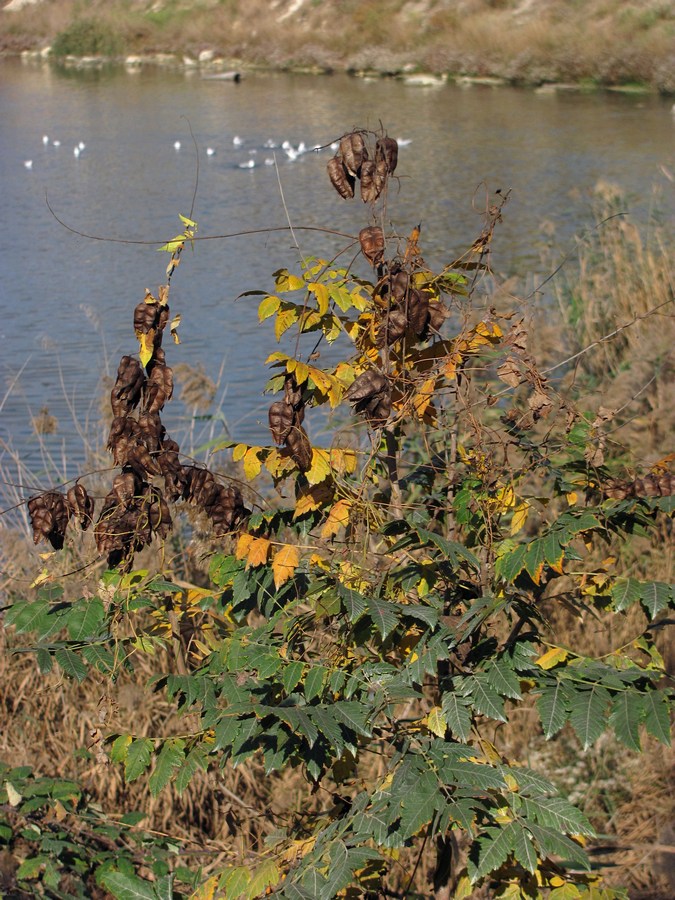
[509, 372]
[258, 551]
[284, 564]
[338, 518]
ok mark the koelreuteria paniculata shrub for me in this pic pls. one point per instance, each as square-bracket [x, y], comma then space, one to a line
[381, 594]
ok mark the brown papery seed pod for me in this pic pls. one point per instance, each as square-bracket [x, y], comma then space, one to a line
[146, 317]
[134, 455]
[300, 448]
[372, 244]
[292, 393]
[121, 427]
[280, 417]
[438, 312]
[370, 189]
[666, 484]
[126, 392]
[81, 505]
[618, 490]
[49, 515]
[340, 178]
[418, 311]
[391, 328]
[151, 431]
[353, 151]
[386, 149]
[378, 413]
[125, 487]
[399, 284]
[367, 385]
[649, 487]
[159, 515]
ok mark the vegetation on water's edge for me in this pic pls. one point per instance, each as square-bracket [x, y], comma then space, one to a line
[593, 43]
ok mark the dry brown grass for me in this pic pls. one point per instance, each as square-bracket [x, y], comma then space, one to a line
[530, 42]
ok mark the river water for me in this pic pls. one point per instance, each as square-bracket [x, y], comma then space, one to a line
[66, 301]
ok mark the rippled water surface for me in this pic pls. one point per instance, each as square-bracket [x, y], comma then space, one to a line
[67, 301]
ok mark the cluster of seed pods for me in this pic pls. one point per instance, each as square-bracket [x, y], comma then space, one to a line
[285, 420]
[372, 168]
[650, 485]
[136, 507]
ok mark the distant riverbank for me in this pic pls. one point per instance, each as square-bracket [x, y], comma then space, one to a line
[629, 46]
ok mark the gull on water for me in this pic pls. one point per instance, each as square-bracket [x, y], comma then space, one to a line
[210, 151]
[81, 145]
[237, 141]
[249, 164]
[45, 139]
[176, 145]
[76, 152]
[56, 143]
[28, 163]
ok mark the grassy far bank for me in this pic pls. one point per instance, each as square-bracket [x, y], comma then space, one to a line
[589, 42]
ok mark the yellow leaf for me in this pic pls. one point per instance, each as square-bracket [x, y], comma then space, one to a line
[520, 514]
[42, 578]
[300, 369]
[284, 281]
[320, 291]
[338, 517]
[572, 498]
[239, 452]
[146, 343]
[13, 796]
[321, 379]
[332, 329]
[463, 888]
[316, 560]
[173, 327]
[506, 498]
[207, 890]
[284, 564]
[268, 306]
[490, 751]
[297, 849]
[243, 545]
[343, 460]
[285, 318]
[435, 722]
[488, 329]
[277, 356]
[552, 657]
[423, 397]
[313, 497]
[257, 551]
[252, 463]
[511, 782]
[320, 468]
